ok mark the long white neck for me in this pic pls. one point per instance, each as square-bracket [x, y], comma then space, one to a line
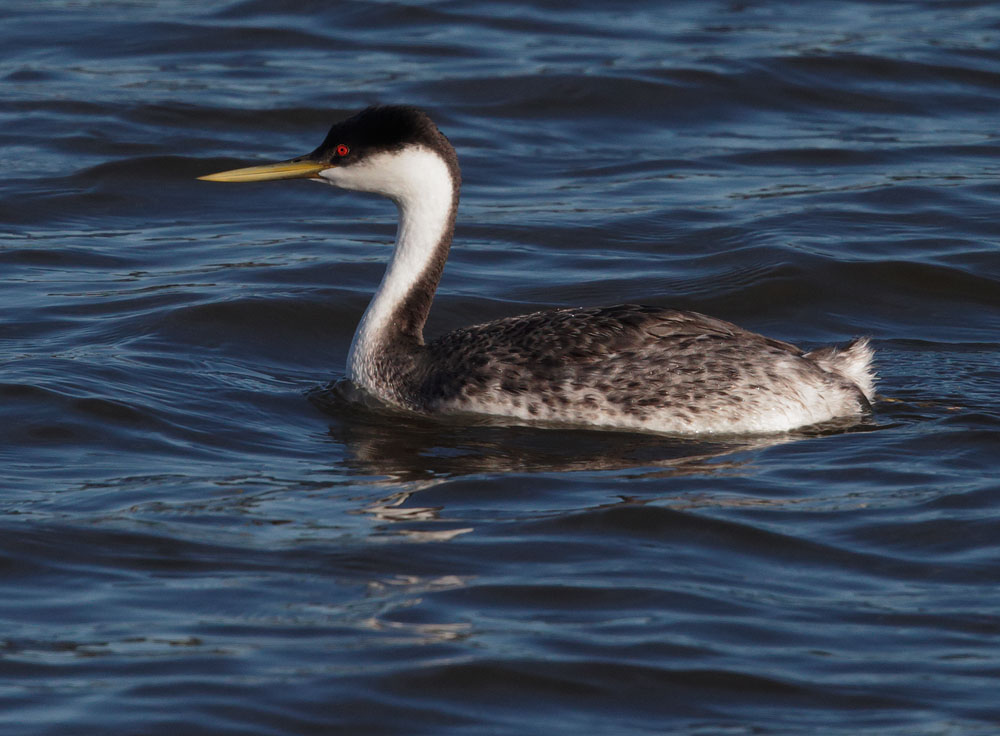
[425, 191]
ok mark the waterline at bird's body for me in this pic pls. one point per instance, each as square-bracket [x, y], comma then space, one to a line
[625, 367]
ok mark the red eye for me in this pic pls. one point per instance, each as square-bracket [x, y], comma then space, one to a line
[343, 150]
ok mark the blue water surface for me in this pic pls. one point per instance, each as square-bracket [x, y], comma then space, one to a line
[191, 543]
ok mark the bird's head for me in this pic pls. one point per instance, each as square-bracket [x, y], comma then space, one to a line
[390, 150]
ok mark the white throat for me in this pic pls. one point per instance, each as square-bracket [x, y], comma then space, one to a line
[420, 183]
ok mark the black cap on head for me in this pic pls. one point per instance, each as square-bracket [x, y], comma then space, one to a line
[378, 129]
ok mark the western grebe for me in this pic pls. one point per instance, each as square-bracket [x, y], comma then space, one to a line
[622, 367]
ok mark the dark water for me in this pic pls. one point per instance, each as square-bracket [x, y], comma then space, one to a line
[189, 546]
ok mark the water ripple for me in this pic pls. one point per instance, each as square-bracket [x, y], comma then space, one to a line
[205, 531]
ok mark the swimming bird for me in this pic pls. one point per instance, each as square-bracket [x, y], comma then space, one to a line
[628, 367]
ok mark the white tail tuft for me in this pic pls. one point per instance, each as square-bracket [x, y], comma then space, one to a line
[853, 363]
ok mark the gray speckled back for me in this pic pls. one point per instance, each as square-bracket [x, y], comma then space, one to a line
[626, 366]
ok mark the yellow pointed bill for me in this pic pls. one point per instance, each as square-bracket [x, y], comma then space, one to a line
[270, 172]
